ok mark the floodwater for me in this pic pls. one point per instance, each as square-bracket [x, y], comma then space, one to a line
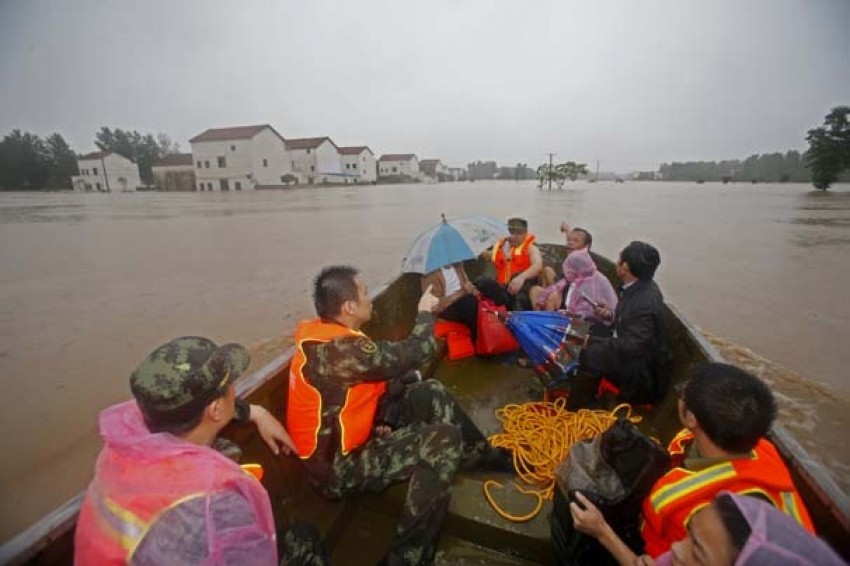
[90, 283]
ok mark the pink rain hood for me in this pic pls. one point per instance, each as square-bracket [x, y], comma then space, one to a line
[135, 463]
[580, 271]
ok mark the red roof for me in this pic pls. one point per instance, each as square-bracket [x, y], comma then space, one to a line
[355, 150]
[235, 133]
[307, 143]
[429, 161]
[397, 157]
[94, 155]
[174, 160]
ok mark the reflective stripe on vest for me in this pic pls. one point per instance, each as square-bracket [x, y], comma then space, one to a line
[125, 528]
[304, 407]
[789, 505]
[690, 484]
[518, 259]
[763, 472]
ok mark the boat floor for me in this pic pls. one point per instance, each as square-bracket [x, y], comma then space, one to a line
[361, 529]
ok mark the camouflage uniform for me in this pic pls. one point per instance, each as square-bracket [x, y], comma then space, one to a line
[432, 435]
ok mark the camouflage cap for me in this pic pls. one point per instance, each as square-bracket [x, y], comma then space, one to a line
[176, 381]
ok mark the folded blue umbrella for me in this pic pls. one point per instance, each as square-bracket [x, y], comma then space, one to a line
[545, 337]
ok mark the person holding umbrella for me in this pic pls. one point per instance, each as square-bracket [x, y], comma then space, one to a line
[458, 297]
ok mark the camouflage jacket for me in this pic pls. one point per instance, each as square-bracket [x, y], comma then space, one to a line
[333, 367]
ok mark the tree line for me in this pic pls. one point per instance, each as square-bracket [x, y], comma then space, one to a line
[826, 161]
[28, 162]
[767, 168]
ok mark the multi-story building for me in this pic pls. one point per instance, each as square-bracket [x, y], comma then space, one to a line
[435, 169]
[106, 171]
[360, 162]
[316, 160]
[239, 158]
[399, 167]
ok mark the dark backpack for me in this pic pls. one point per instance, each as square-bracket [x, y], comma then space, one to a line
[616, 471]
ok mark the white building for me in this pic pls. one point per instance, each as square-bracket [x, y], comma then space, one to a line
[360, 162]
[106, 171]
[457, 173]
[239, 158]
[399, 165]
[316, 160]
[435, 169]
[174, 172]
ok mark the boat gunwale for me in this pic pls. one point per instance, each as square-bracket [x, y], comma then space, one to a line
[57, 523]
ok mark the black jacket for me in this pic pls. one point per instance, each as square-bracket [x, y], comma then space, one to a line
[638, 352]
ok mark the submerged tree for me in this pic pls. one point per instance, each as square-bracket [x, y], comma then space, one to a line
[829, 148]
[559, 173]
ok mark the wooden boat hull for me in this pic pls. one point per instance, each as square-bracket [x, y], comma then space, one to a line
[358, 529]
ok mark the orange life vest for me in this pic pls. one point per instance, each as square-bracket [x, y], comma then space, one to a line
[517, 260]
[680, 492]
[126, 499]
[304, 408]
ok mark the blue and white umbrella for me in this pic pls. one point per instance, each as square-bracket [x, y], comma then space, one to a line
[452, 241]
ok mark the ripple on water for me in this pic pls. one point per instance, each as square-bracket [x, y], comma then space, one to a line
[808, 410]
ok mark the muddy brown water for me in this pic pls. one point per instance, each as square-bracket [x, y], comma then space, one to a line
[90, 283]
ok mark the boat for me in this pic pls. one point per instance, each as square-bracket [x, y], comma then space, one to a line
[358, 530]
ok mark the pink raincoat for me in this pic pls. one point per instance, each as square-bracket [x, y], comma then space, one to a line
[158, 499]
[586, 285]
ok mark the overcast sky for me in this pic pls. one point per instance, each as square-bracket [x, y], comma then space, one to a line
[630, 83]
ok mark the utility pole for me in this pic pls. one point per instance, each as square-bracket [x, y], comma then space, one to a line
[550, 169]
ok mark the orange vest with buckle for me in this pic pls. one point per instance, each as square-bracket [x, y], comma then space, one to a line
[517, 260]
[304, 408]
[680, 492]
[125, 500]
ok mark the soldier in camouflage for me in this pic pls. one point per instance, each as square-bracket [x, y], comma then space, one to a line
[144, 505]
[421, 434]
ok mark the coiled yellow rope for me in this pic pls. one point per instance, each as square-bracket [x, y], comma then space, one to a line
[540, 434]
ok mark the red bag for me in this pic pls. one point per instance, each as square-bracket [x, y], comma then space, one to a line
[493, 337]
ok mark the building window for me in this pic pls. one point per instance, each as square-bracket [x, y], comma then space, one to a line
[308, 151]
[222, 163]
[95, 171]
[312, 167]
[206, 164]
[200, 186]
[237, 185]
[199, 164]
[265, 162]
[232, 148]
[395, 169]
[209, 186]
[97, 185]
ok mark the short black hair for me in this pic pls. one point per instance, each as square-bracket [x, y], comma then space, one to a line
[588, 239]
[333, 286]
[733, 521]
[177, 428]
[732, 406]
[642, 258]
